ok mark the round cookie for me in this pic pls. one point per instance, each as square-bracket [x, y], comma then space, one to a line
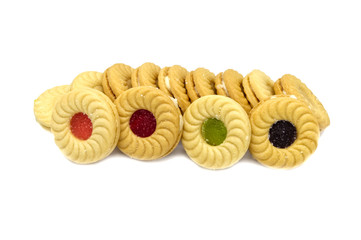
[85, 124]
[199, 83]
[229, 84]
[216, 132]
[284, 132]
[44, 104]
[146, 75]
[116, 80]
[150, 123]
[291, 85]
[258, 87]
[89, 79]
[171, 81]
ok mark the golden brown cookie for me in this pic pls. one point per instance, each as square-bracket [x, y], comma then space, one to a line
[290, 85]
[284, 132]
[171, 81]
[117, 79]
[199, 83]
[146, 75]
[90, 79]
[85, 124]
[216, 132]
[150, 123]
[229, 84]
[258, 87]
[44, 104]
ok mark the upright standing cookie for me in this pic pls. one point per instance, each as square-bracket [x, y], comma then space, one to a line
[44, 104]
[199, 83]
[146, 75]
[216, 132]
[258, 87]
[284, 132]
[229, 84]
[171, 81]
[90, 79]
[290, 85]
[116, 80]
[85, 124]
[150, 123]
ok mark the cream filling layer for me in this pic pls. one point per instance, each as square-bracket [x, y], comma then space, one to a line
[223, 85]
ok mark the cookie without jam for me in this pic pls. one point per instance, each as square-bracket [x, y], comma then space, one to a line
[290, 85]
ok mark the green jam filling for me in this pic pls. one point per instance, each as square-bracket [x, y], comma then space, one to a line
[213, 131]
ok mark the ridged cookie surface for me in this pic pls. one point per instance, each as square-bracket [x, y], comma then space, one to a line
[291, 85]
[223, 111]
[44, 104]
[299, 133]
[90, 79]
[166, 132]
[102, 131]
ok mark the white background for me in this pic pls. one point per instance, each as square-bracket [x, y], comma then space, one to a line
[47, 43]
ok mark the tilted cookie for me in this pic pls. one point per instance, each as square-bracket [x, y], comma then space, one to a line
[199, 83]
[146, 75]
[150, 123]
[85, 124]
[171, 81]
[216, 132]
[284, 132]
[290, 85]
[117, 79]
[258, 87]
[229, 84]
[44, 104]
[90, 79]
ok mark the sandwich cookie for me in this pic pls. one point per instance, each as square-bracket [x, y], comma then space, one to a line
[146, 75]
[150, 123]
[257, 87]
[85, 124]
[44, 104]
[216, 132]
[117, 79]
[290, 85]
[284, 132]
[171, 81]
[229, 83]
[199, 83]
[90, 79]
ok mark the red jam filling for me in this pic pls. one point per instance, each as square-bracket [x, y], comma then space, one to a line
[81, 126]
[142, 123]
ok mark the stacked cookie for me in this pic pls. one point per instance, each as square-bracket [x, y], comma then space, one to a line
[147, 110]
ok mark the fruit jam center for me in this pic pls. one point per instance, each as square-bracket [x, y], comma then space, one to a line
[81, 126]
[282, 134]
[213, 131]
[143, 123]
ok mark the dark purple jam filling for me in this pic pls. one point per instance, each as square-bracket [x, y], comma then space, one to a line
[282, 134]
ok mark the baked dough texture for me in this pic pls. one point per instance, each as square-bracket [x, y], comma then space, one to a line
[105, 123]
[278, 108]
[146, 75]
[168, 123]
[90, 79]
[44, 104]
[175, 87]
[236, 121]
[229, 84]
[291, 85]
[258, 87]
[117, 79]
